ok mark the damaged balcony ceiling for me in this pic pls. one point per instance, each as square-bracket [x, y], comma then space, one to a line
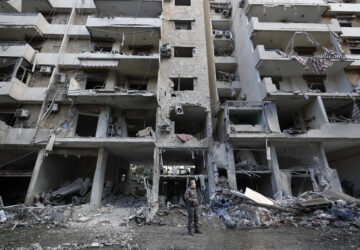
[135, 150]
[36, 6]
[130, 65]
[134, 31]
[275, 65]
[122, 100]
[274, 39]
[277, 12]
[144, 8]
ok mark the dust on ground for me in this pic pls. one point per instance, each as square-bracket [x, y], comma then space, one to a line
[109, 228]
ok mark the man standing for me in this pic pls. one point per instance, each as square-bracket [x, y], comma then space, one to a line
[192, 206]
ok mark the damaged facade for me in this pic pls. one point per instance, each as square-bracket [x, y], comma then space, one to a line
[249, 93]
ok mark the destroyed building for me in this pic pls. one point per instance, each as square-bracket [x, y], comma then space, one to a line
[258, 94]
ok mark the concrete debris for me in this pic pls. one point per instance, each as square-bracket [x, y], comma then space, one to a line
[76, 193]
[2, 216]
[183, 137]
[146, 132]
[308, 209]
[1, 202]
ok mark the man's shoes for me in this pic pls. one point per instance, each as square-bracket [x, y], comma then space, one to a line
[198, 232]
[190, 233]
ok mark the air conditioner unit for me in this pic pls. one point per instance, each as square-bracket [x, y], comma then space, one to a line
[46, 70]
[228, 34]
[179, 110]
[226, 13]
[218, 33]
[165, 50]
[60, 78]
[55, 108]
[22, 113]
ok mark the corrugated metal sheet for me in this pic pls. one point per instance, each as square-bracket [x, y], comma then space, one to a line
[99, 63]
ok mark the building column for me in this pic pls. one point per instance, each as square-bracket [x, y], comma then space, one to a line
[99, 178]
[153, 195]
[29, 200]
[231, 172]
[211, 172]
[102, 125]
[276, 180]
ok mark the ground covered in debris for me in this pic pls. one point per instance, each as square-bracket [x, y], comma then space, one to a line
[216, 235]
[107, 229]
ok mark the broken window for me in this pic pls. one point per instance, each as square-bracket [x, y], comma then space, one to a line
[7, 115]
[305, 51]
[8, 118]
[245, 117]
[345, 24]
[182, 2]
[182, 84]
[137, 120]
[355, 51]
[183, 25]
[190, 120]
[95, 79]
[342, 110]
[183, 51]
[137, 83]
[141, 50]
[86, 125]
[103, 46]
[315, 82]
[36, 44]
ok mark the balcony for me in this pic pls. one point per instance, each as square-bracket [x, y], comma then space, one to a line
[134, 31]
[295, 11]
[275, 34]
[220, 10]
[128, 95]
[344, 9]
[17, 50]
[270, 63]
[14, 90]
[22, 25]
[227, 83]
[147, 8]
[134, 64]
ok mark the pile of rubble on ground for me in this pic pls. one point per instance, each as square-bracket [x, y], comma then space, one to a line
[317, 210]
[76, 192]
[20, 215]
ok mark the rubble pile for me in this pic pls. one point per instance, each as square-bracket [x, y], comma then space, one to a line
[77, 192]
[19, 215]
[317, 210]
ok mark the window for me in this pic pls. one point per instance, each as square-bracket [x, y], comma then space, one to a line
[137, 84]
[355, 51]
[93, 83]
[95, 79]
[103, 46]
[305, 51]
[182, 2]
[183, 51]
[345, 24]
[190, 120]
[182, 25]
[181, 84]
[86, 125]
[315, 82]
[141, 50]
